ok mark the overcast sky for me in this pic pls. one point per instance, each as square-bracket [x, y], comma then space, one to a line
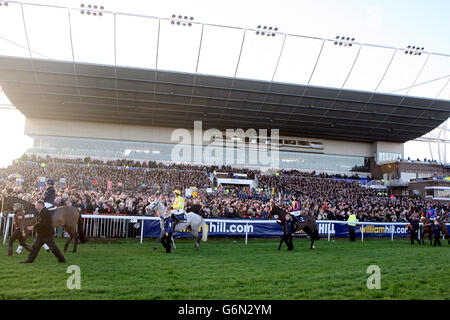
[392, 23]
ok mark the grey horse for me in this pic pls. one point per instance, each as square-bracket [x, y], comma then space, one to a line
[193, 220]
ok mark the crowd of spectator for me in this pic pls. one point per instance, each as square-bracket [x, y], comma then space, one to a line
[127, 187]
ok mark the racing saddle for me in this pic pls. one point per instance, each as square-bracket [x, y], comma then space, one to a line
[297, 217]
[178, 215]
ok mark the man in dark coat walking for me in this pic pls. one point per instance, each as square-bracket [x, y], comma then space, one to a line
[45, 234]
[168, 230]
[437, 233]
[288, 233]
[415, 228]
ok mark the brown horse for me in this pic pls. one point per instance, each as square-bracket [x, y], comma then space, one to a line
[427, 229]
[308, 225]
[444, 230]
[67, 217]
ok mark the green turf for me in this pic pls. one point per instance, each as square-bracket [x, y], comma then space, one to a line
[125, 269]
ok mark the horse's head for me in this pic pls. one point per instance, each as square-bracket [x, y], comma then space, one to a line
[156, 208]
[7, 205]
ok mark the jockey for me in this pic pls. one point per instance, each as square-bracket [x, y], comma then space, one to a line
[431, 213]
[295, 204]
[178, 205]
[50, 194]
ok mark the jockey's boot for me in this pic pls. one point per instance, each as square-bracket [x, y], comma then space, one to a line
[10, 251]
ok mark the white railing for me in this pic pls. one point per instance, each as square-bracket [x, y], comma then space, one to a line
[108, 226]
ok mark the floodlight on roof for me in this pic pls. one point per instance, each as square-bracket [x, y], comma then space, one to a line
[181, 20]
[266, 28]
[414, 50]
[94, 9]
[346, 41]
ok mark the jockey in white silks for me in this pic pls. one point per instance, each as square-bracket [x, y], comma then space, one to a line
[178, 206]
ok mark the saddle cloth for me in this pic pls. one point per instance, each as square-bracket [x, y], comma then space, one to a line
[180, 214]
[50, 207]
[297, 215]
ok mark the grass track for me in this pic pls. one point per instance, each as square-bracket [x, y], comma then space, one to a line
[125, 269]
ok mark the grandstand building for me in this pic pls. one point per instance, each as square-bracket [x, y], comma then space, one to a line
[89, 87]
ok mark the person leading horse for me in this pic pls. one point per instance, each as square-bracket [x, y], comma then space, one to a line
[306, 223]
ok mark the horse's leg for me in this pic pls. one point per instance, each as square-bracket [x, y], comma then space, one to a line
[67, 229]
[75, 240]
[173, 243]
[281, 242]
[195, 234]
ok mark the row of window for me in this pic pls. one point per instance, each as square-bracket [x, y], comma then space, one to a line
[286, 142]
[388, 156]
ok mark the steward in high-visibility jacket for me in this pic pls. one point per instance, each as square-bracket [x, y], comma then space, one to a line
[352, 226]
[352, 218]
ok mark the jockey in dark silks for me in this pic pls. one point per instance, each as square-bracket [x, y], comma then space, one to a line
[50, 194]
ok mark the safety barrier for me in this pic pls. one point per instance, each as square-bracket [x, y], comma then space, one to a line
[115, 226]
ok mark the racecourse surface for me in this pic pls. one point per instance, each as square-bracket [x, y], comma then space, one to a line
[125, 269]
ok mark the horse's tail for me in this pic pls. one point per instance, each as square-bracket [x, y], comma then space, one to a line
[204, 231]
[81, 236]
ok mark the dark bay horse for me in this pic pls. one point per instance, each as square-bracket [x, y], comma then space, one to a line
[308, 225]
[427, 229]
[67, 217]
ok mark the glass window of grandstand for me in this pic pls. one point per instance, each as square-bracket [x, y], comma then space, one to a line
[290, 142]
[317, 145]
[303, 143]
[442, 193]
[388, 156]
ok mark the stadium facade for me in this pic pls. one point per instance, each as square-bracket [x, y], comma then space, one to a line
[88, 87]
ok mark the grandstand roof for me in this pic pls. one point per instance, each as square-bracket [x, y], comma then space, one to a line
[62, 90]
[80, 67]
